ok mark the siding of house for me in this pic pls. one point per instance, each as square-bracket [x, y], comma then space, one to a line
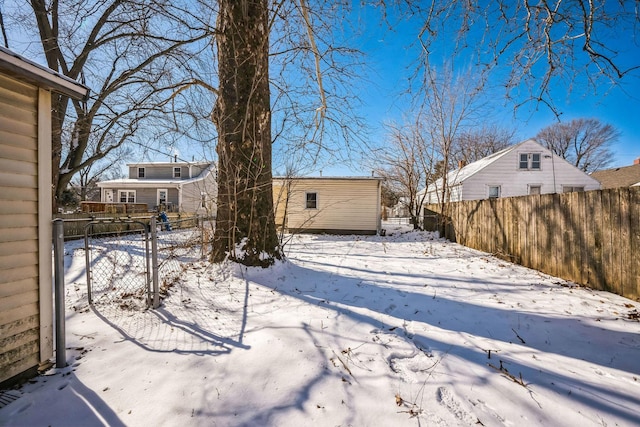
[344, 205]
[514, 182]
[192, 196]
[502, 169]
[20, 256]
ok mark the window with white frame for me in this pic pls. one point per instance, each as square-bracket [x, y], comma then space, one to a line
[571, 188]
[311, 200]
[140, 172]
[535, 189]
[494, 191]
[529, 161]
[177, 172]
[163, 194]
[127, 196]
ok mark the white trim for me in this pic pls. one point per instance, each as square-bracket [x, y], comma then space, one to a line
[306, 200]
[166, 200]
[45, 229]
[489, 187]
[127, 196]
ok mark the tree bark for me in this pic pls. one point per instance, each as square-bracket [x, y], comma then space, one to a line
[245, 226]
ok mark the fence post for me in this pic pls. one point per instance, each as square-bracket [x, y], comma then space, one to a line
[154, 262]
[58, 255]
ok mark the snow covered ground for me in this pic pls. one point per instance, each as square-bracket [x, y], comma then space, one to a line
[401, 330]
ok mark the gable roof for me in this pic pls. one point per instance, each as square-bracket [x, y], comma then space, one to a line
[458, 176]
[625, 176]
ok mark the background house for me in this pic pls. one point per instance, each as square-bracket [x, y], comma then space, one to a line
[26, 294]
[522, 169]
[626, 176]
[169, 186]
[337, 205]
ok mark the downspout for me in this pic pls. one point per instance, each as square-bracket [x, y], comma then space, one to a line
[379, 217]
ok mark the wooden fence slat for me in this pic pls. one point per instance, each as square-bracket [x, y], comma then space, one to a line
[591, 238]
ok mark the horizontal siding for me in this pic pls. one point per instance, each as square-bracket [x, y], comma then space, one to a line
[10, 207]
[18, 247]
[20, 153]
[17, 260]
[17, 287]
[18, 234]
[19, 291]
[17, 314]
[17, 361]
[342, 205]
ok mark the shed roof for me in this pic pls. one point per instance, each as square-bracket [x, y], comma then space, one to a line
[23, 69]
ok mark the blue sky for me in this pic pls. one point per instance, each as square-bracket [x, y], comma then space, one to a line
[391, 58]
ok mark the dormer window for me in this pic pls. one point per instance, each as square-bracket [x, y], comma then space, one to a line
[140, 172]
[177, 172]
[529, 161]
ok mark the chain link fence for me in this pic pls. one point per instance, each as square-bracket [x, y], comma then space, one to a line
[132, 264]
[118, 263]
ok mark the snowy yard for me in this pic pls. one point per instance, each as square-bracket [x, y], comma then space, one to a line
[401, 330]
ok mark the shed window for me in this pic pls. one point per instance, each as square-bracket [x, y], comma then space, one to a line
[177, 172]
[140, 172]
[127, 196]
[494, 191]
[529, 161]
[571, 188]
[312, 200]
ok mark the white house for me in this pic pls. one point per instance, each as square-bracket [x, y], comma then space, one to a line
[522, 169]
[170, 186]
[26, 289]
[336, 205]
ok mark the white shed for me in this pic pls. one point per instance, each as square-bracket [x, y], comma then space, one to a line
[26, 294]
[335, 205]
[522, 169]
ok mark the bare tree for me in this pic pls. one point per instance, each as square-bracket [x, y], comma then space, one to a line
[408, 165]
[133, 54]
[479, 142]
[585, 143]
[535, 45]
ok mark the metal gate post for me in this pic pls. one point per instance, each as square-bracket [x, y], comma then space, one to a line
[58, 256]
[87, 258]
[154, 262]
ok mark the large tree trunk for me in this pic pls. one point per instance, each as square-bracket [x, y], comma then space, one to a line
[245, 225]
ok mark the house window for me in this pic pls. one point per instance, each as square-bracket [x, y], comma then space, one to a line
[140, 172]
[570, 188]
[529, 161]
[177, 172]
[494, 191]
[127, 196]
[535, 189]
[312, 200]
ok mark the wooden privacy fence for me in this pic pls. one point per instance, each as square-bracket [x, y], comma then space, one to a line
[591, 238]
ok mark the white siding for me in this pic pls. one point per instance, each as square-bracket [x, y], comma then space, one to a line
[344, 205]
[192, 195]
[553, 174]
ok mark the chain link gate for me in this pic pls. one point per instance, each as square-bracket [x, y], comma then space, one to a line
[118, 263]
